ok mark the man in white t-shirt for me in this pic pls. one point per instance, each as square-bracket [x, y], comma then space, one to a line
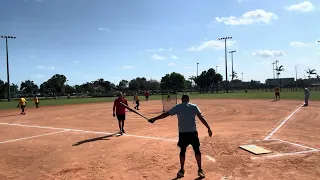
[306, 96]
[188, 133]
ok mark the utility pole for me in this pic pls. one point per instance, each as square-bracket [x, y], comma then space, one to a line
[231, 52]
[296, 78]
[273, 70]
[276, 62]
[197, 69]
[226, 60]
[7, 54]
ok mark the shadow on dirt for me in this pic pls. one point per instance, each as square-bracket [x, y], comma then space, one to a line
[96, 139]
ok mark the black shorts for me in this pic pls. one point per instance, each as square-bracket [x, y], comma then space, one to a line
[121, 117]
[23, 106]
[187, 138]
[137, 102]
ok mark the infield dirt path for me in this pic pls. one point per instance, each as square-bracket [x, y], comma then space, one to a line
[47, 146]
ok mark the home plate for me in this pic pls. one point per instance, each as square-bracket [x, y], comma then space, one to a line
[255, 149]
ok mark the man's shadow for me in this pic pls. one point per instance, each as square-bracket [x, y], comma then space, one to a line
[95, 139]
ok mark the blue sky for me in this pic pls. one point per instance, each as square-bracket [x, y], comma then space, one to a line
[124, 39]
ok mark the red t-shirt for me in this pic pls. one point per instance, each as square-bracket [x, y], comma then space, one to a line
[120, 109]
[146, 93]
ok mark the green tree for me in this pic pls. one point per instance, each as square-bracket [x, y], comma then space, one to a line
[173, 81]
[123, 84]
[134, 85]
[28, 87]
[153, 85]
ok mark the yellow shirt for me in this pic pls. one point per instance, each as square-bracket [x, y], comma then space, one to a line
[136, 98]
[22, 101]
[36, 100]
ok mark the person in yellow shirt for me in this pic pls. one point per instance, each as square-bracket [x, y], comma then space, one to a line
[36, 101]
[136, 98]
[277, 93]
[22, 105]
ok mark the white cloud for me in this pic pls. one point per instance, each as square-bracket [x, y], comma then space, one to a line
[171, 64]
[269, 53]
[77, 62]
[250, 17]
[158, 57]
[299, 44]
[154, 50]
[221, 58]
[305, 6]
[174, 57]
[46, 67]
[103, 29]
[32, 56]
[211, 44]
[127, 67]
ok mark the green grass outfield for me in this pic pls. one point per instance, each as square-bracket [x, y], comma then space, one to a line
[250, 95]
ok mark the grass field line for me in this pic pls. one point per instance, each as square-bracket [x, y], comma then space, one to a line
[282, 123]
[85, 131]
[47, 134]
[285, 154]
[296, 144]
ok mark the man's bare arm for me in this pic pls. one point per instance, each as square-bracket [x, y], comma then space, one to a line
[161, 116]
[203, 120]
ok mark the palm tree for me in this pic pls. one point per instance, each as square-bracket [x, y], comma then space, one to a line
[234, 75]
[279, 70]
[311, 72]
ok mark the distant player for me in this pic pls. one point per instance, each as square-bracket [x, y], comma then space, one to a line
[168, 97]
[146, 95]
[277, 93]
[22, 105]
[188, 133]
[137, 100]
[36, 101]
[306, 96]
[120, 111]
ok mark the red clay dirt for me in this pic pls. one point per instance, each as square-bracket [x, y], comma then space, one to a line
[70, 154]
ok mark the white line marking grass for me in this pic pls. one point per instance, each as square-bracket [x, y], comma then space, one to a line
[283, 122]
[284, 154]
[85, 131]
[13, 140]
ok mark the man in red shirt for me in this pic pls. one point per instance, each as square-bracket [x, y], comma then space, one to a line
[147, 95]
[120, 111]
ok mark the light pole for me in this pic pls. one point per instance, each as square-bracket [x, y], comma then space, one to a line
[296, 77]
[197, 69]
[242, 77]
[231, 52]
[226, 63]
[8, 77]
[276, 62]
[273, 69]
[217, 69]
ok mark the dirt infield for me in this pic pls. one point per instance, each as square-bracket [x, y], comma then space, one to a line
[74, 142]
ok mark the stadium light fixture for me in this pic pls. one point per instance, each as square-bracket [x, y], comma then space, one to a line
[226, 63]
[7, 54]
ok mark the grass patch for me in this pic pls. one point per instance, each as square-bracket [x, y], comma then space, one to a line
[250, 95]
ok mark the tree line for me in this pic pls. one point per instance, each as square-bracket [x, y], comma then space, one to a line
[57, 85]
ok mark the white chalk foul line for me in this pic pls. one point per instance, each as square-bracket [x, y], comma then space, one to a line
[85, 131]
[283, 122]
[210, 158]
[296, 144]
[13, 140]
[284, 154]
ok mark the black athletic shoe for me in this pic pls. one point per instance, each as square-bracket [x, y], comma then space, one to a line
[180, 173]
[123, 131]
